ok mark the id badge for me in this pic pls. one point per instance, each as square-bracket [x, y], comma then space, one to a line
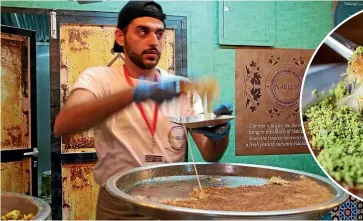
[153, 158]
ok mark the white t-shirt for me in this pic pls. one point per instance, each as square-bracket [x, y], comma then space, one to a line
[123, 140]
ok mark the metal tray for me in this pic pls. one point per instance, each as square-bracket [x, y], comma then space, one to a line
[175, 180]
[321, 78]
[202, 120]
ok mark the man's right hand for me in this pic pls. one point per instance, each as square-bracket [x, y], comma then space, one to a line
[158, 92]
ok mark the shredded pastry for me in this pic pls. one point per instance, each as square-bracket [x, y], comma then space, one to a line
[277, 180]
[355, 64]
[277, 194]
[207, 88]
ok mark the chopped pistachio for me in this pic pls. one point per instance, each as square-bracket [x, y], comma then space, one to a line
[315, 93]
[338, 132]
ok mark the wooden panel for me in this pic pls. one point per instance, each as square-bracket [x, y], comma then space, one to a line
[15, 97]
[167, 59]
[268, 83]
[16, 176]
[81, 48]
[80, 192]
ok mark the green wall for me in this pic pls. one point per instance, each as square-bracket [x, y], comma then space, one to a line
[298, 25]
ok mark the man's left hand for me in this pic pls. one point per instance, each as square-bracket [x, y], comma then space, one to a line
[217, 132]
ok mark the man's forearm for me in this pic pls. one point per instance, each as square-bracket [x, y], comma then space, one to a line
[81, 117]
[210, 150]
[216, 149]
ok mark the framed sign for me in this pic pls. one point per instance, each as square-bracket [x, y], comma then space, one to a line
[268, 85]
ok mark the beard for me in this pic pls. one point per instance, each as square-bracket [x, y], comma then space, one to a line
[138, 60]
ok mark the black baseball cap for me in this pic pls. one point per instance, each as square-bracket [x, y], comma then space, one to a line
[136, 9]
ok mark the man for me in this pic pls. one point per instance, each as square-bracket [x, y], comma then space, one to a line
[128, 107]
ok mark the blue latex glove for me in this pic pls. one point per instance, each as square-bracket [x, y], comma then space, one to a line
[159, 92]
[217, 132]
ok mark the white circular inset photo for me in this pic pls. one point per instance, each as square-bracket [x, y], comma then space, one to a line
[331, 105]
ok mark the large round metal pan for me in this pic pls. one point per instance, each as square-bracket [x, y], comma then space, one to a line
[172, 180]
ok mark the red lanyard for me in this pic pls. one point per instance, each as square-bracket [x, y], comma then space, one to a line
[153, 128]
